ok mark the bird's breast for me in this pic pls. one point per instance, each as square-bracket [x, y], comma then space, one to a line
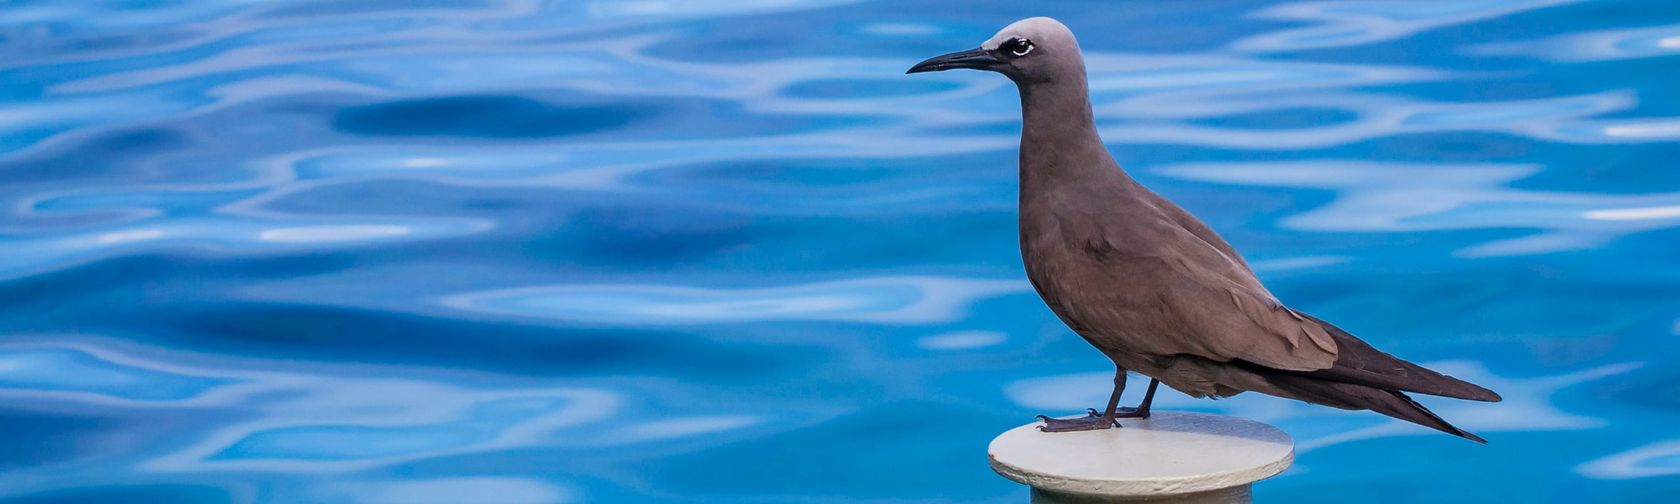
[1089, 283]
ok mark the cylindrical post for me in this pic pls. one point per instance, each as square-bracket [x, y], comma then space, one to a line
[1171, 457]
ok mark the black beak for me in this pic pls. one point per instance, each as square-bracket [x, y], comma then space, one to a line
[979, 59]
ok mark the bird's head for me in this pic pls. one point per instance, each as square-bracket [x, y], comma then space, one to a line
[1031, 50]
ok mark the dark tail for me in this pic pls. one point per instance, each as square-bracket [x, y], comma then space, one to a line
[1360, 364]
[1355, 396]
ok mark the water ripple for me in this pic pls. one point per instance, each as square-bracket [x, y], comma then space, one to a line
[886, 300]
[1400, 197]
[1340, 24]
[1656, 459]
[450, 491]
[1603, 45]
[49, 372]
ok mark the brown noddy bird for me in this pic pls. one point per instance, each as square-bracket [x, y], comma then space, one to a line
[1152, 287]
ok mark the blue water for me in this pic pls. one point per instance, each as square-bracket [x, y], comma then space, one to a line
[519, 251]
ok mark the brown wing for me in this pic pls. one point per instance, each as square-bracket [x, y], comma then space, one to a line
[1225, 320]
[1165, 291]
[1208, 271]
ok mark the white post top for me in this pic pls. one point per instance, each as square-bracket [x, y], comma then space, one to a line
[1169, 455]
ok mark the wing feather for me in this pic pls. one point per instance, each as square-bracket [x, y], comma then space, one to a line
[1205, 303]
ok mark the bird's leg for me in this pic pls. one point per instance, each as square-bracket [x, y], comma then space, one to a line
[1093, 420]
[1142, 411]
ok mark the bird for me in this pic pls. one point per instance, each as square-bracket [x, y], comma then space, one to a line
[1152, 287]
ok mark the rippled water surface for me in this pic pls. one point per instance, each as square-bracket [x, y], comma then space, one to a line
[724, 251]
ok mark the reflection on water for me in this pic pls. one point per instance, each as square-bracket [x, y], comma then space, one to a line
[1379, 197]
[1597, 45]
[706, 251]
[1342, 24]
[880, 300]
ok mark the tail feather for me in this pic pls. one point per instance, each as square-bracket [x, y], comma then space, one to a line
[1357, 362]
[1355, 396]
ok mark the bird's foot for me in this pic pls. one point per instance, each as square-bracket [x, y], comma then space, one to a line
[1131, 413]
[1092, 421]
[1122, 412]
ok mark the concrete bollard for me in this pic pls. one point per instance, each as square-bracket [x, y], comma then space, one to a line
[1170, 457]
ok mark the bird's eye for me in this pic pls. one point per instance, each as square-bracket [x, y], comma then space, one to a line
[1018, 47]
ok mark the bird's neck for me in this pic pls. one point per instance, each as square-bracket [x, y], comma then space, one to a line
[1059, 141]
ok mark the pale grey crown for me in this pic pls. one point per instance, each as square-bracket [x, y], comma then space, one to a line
[1036, 49]
[1030, 51]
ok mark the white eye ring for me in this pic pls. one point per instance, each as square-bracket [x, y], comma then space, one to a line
[1026, 47]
